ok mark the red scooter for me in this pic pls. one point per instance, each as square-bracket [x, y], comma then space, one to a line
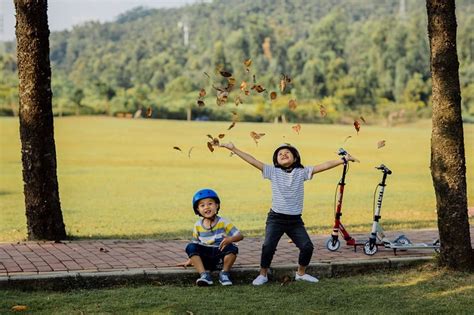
[333, 242]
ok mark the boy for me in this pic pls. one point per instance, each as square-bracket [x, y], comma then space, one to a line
[213, 238]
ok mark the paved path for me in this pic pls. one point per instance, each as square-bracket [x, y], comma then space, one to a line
[37, 258]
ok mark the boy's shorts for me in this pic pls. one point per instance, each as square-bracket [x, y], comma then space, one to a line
[212, 258]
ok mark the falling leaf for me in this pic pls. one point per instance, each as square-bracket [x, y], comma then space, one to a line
[207, 75]
[237, 100]
[296, 128]
[231, 81]
[292, 104]
[347, 138]
[243, 85]
[189, 312]
[248, 63]
[247, 92]
[221, 136]
[258, 88]
[322, 111]
[177, 148]
[231, 125]
[282, 85]
[210, 147]
[357, 126]
[189, 152]
[362, 118]
[201, 103]
[273, 95]
[215, 141]
[19, 308]
[255, 136]
[210, 137]
[202, 93]
[225, 74]
[254, 79]
[149, 111]
[380, 144]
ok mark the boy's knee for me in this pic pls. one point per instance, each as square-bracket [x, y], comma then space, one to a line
[231, 249]
[192, 249]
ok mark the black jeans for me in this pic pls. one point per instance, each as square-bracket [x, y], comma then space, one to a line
[293, 226]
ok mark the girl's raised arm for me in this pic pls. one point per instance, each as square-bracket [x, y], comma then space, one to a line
[330, 164]
[244, 156]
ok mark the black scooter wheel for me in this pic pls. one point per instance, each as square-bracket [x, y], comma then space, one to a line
[370, 249]
[333, 244]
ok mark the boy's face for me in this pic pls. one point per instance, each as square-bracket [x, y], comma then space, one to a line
[207, 207]
[285, 158]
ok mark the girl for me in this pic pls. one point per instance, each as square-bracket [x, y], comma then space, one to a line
[287, 175]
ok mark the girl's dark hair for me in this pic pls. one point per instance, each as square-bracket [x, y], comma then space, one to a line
[296, 154]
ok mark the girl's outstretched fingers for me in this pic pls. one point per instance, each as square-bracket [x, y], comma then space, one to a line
[351, 158]
[229, 145]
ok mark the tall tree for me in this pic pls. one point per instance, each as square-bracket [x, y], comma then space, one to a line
[43, 208]
[448, 165]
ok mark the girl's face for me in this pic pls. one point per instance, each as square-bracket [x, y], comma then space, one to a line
[207, 207]
[285, 158]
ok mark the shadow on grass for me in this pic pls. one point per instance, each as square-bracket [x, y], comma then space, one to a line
[185, 234]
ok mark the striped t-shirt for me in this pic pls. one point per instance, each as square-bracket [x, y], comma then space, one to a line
[287, 188]
[214, 235]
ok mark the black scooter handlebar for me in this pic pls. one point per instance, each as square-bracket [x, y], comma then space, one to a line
[384, 169]
[342, 152]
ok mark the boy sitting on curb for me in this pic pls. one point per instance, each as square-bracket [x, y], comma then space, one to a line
[213, 238]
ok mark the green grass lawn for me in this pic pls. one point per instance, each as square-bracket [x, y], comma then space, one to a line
[122, 178]
[425, 290]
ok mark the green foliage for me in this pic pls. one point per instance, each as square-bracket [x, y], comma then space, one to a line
[354, 52]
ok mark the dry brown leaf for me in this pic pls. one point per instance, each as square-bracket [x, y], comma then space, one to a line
[177, 148]
[256, 135]
[19, 308]
[237, 100]
[380, 144]
[222, 135]
[210, 147]
[292, 104]
[202, 93]
[273, 95]
[322, 111]
[285, 280]
[189, 152]
[210, 137]
[225, 74]
[296, 128]
[248, 63]
[231, 125]
[149, 112]
[258, 88]
[215, 141]
[231, 81]
[347, 138]
[201, 103]
[243, 85]
[362, 118]
[357, 126]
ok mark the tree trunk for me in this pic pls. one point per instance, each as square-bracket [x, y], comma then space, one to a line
[43, 209]
[448, 165]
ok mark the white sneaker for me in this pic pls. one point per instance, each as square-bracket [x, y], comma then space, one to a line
[260, 280]
[306, 277]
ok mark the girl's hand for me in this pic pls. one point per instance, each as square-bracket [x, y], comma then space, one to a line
[185, 264]
[229, 145]
[225, 241]
[351, 158]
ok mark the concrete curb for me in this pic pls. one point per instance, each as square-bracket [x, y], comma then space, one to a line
[242, 275]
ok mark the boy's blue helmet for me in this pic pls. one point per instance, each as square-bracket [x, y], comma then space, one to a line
[203, 194]
[292, 149]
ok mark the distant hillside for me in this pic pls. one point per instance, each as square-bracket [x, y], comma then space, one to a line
[349, 55]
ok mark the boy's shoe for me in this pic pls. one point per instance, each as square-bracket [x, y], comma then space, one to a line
[260, 280]
[306, 277]
[224, 278]
[204, 280]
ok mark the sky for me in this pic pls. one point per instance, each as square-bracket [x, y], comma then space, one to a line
[63, 14]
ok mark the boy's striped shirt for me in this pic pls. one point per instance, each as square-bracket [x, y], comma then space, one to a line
[214, 235]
